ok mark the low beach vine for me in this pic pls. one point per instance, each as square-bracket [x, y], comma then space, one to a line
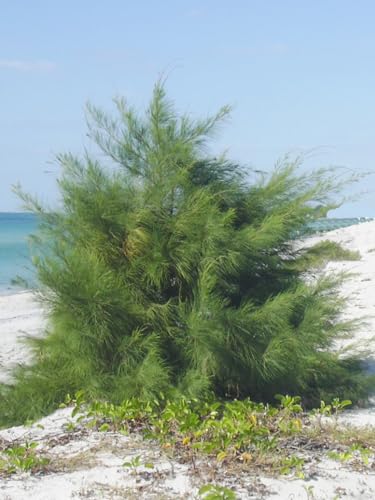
[228, 433]
[216, 438]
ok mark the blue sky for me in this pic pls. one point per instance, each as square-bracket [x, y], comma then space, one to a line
[299, 74]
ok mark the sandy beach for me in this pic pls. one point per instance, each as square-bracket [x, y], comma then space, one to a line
[20, 315]
[91, 463]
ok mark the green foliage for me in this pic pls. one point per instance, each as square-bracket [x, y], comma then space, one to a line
[355, 452]
[208, 426]
[135, 463]
[215, 492]
[290, 404]
[22, 458]
[165, 270]
[292, 464]
[239, 435]
[226, 431]
[324, 251]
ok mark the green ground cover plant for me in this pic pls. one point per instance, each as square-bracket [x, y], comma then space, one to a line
[215, 492]
[234, 434]
[221, 444]
[169, 269]
[22, 458]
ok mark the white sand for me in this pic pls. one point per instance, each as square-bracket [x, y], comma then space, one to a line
[20, 316]
[360, 288]
[91, 465]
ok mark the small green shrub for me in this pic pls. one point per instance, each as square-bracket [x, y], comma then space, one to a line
[215, 492]
[137, 462]
[292, 464]
[22, 458]
[170, 272]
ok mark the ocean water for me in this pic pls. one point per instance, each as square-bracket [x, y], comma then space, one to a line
[328, 224]
[14, 251]
[15, 259]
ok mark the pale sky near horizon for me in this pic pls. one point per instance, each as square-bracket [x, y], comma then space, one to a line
[299, 74]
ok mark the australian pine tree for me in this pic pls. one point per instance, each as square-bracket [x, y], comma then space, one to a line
[167, 270]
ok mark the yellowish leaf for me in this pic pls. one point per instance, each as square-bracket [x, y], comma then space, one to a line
[221, 456]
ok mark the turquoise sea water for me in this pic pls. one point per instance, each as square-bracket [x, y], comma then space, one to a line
[15, 256]
[14, 251]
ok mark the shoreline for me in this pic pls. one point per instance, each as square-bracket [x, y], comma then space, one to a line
[13, 291]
